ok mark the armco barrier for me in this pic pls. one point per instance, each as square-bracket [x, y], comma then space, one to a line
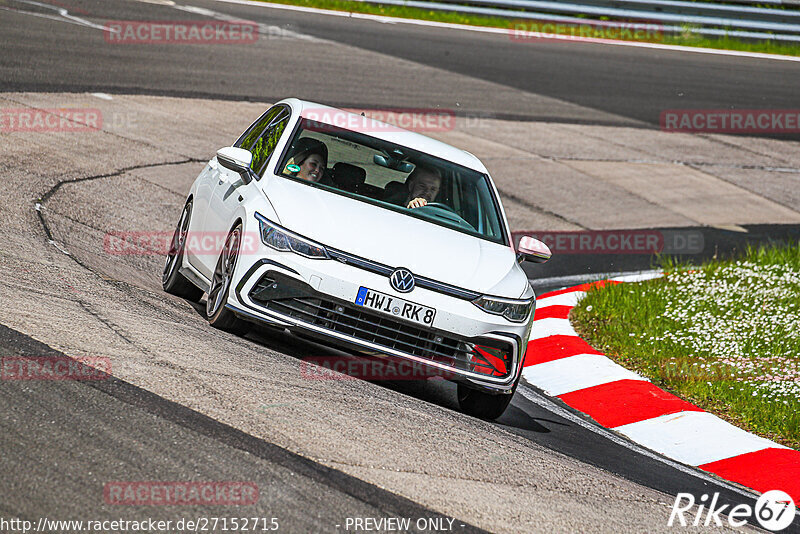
[673, 16]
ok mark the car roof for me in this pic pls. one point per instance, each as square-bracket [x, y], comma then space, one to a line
[390, 132]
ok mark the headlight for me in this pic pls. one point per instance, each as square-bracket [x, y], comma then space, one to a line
[281, 239]
[513, 310]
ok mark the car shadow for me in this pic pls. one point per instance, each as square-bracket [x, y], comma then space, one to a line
[518, 417]
[434, 390]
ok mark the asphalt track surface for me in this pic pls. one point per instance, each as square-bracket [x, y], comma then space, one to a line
[623, 85]
[120, 429]
[92, 443]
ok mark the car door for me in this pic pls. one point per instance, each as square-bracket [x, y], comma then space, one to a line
[200, 202]
[204, 251]
[230, 189]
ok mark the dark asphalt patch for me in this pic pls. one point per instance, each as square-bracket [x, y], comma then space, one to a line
[321, 497]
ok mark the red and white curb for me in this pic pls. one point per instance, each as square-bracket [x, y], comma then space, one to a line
[563, 365]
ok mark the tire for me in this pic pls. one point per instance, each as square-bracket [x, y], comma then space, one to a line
[172, 280]
[218, 315]
[481, 404]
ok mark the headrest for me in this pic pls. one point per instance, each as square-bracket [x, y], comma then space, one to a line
[394, 189]
[348, 177]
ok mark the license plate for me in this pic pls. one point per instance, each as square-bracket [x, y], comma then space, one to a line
[390, 305]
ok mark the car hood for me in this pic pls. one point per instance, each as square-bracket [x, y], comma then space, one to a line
[395, 239]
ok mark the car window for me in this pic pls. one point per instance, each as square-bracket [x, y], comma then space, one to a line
[251, 135]
[262, 137]
[266, 144]
[391, 176]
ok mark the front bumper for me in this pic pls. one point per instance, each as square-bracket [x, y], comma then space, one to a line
[317, 297]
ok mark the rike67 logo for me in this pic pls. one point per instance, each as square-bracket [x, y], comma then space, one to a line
[774, 510]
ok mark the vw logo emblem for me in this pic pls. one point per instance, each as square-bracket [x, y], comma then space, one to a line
[402, 280]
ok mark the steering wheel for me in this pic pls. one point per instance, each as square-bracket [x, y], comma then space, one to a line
[458, 219]
[439, 205]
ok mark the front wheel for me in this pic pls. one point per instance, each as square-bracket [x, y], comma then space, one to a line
[481, 404]
[219, 316]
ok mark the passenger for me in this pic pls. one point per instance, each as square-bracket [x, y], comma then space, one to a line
[309, 160]
[422, 186]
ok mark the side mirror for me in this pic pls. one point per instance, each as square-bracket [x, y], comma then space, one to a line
[237, 160]
[530, 249]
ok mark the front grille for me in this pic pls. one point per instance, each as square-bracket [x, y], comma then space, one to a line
[380, 329]
[386, 271]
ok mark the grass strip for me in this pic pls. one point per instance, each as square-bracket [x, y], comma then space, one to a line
[685, 39]
[725, 336]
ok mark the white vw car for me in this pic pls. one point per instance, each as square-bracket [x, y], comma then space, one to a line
[366, 236]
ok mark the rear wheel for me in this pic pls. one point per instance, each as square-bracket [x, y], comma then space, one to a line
[172, 280]
[218, 315]
[481, 404]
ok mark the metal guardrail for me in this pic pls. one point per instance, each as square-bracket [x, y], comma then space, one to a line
[672, 16]
[791, 3]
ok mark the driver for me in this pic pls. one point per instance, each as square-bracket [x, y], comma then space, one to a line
[423, 185]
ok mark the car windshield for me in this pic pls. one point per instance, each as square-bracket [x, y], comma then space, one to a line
[393, 177]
